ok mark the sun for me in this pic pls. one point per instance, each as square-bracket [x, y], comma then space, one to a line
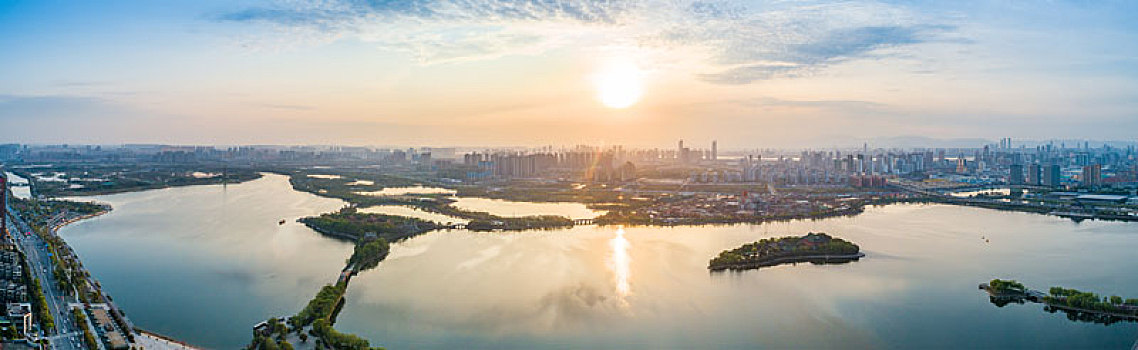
[619, 85]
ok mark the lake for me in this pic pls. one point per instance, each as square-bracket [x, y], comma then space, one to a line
[204, 263]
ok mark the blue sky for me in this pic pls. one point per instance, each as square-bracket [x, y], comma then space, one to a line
[498, 72]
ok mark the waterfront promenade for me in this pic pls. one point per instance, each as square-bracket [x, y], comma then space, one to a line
[68, 334]
[152, 341]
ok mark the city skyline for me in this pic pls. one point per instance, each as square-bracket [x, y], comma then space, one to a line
[568, 174]
[500, 73]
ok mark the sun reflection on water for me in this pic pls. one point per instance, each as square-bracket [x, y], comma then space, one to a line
[619, 262]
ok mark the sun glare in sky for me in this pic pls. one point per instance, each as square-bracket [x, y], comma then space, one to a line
[619, 84]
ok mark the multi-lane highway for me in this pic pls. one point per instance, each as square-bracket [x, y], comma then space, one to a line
[67, 335]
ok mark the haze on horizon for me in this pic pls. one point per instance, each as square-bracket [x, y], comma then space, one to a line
[499, 72]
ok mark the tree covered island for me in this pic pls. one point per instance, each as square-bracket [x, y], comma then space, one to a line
[1080, 306]
[353, 225]
[818, 248]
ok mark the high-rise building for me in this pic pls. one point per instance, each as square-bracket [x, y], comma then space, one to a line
[1034, 174]
[1006, 143]
[714, 150]
[1015, 175]
[1051, 175]
[1092, 175]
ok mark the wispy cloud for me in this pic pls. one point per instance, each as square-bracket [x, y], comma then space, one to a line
[597, 11]
[287, 107]
[741, 42]
[802, 58]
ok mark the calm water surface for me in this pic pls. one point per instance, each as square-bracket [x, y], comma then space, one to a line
[204, 263]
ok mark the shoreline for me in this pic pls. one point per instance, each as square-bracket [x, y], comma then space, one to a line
[55, 229]
[170, 343]
[1035, 296]
[826, 259]
[105, 192]
[1131, 317]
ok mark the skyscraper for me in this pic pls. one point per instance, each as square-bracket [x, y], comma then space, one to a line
[680, 154]
[714, 150]
[1015, 175]
[1051, 175]
[1034, 174]
[1092, 175]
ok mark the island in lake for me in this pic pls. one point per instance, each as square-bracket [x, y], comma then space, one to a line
[818, 248]
[1079, 306]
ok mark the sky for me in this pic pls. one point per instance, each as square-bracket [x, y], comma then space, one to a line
[540, 72]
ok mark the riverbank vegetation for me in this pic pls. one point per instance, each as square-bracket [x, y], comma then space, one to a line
[41, 213]
[46, 215]
[813, 247]
[632, 217]
[368, 253]
[1079, 306]
[271, 337]
[39, 305]
[317, 317]
[35, 291]
[321, 306]
[1074, 298]
[102, 178]
[540, 222]
[320, 313]
[1000, 286]
[333, 339]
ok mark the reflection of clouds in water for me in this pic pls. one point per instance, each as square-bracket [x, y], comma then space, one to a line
[509, 284]
[411, 247]
[570, 308]
[240, 276]
[483, 256]
[405, 251]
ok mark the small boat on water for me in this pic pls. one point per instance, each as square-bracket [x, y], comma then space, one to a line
[282, 222]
